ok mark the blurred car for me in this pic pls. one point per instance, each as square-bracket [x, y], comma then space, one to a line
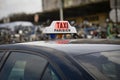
[21, 31]
[45, 61]
[5, 35]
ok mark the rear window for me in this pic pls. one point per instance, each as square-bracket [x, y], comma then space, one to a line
[102, 65]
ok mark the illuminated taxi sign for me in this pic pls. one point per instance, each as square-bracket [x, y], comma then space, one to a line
[60, 27]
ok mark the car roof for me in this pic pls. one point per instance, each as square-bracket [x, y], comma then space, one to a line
[72, 49]
[76, 49]
[96, 41]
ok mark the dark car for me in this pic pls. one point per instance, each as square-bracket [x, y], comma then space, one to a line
[44, 61]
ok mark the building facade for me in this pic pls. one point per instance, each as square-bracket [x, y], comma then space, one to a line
[95, 11]
[50, 5]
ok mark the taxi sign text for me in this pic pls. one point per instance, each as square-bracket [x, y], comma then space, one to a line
[61, 27]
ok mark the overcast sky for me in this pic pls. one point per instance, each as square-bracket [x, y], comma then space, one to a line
[18, 6]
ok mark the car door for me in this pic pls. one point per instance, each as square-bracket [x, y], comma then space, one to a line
[26, 66]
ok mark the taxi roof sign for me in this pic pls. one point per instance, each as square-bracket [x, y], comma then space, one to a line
[59, 27]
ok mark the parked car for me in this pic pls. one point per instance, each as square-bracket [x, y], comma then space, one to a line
[45, 61]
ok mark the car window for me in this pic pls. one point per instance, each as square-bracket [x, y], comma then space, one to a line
[1, 54]
[103, 65]
[23, 66]
[50, 74]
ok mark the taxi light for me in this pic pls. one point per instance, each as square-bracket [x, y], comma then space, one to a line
[58, 27]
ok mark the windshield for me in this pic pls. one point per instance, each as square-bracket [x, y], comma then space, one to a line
[102, 65]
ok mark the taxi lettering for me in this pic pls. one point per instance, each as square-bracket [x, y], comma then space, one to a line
[61, 26]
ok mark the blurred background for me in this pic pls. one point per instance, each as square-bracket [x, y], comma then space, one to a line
[24, 20]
